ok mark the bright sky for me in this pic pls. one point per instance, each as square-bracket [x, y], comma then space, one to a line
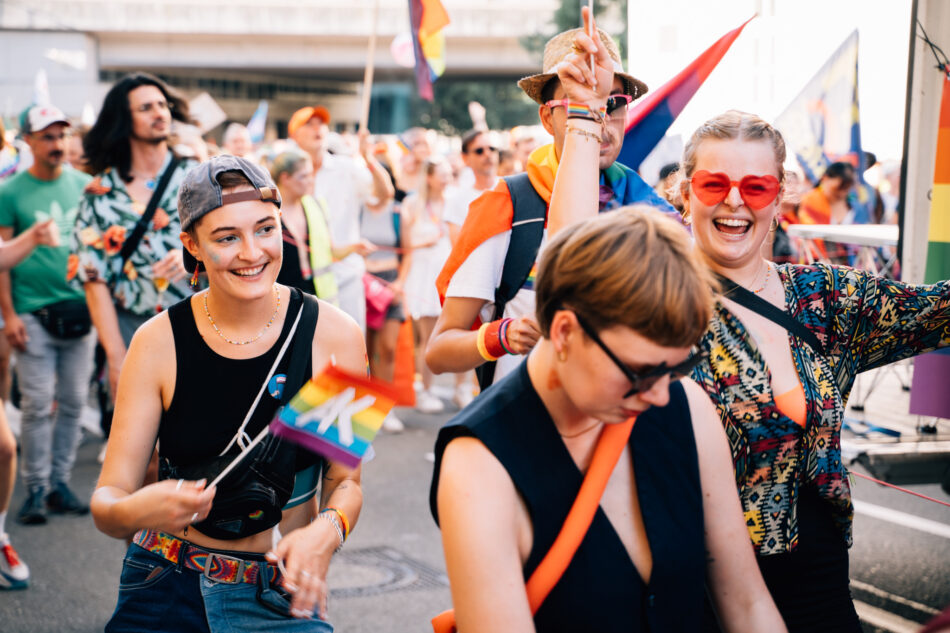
[776, 55]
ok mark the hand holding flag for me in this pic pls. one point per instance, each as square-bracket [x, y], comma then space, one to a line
[336, 414]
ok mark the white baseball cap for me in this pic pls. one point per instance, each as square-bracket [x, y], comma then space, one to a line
[40, 117]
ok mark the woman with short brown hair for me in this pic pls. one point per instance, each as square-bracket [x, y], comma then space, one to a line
[621, 301]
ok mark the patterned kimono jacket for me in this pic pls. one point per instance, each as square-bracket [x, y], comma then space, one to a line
[862, 321]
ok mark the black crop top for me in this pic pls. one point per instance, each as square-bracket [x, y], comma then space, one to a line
[213, 393]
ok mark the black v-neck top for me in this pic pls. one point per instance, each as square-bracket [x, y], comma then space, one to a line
[601, 589]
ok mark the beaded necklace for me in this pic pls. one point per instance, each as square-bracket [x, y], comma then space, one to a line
[250, 340]
[768, 275]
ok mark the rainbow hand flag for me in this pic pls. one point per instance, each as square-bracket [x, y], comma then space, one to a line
[336, 414]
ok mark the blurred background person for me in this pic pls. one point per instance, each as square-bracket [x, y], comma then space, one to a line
[423, 223]
[506, 163]
[46, 319]
[344, 183]
[309, 251]
[827, 203]
[389, 263]
[237, 141]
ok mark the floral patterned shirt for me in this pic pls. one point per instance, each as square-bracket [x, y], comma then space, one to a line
[107, 215]
[862, 321]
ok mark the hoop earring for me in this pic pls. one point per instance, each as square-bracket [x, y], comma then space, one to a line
[562, 355]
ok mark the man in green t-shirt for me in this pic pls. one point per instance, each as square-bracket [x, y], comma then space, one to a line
[47, 323]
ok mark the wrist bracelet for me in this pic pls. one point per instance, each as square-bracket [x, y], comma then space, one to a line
[492, 339]
[334, 521]
[579, 132]
[503, 336]
[480, 343]
[584, 110]
[343, 520]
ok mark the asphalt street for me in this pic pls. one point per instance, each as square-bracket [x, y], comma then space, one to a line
[390, 576]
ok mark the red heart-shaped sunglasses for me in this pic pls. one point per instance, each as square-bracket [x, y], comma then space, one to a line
[757, 192]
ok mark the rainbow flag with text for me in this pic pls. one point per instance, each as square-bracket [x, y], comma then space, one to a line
[336, 414]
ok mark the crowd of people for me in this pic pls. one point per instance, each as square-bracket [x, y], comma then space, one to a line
[167, 270]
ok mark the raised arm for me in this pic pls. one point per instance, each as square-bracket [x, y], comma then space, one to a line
[478, 514]
[575, 192]
[742, 600]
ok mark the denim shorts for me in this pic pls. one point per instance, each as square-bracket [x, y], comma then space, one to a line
[158, 595]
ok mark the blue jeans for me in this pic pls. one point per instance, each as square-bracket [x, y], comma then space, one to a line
[51, 369]
[158, 595]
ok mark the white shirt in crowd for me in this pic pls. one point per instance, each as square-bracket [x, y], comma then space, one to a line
[345, 183]
[480, 275]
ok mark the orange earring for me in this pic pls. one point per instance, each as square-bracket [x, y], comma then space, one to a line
[194, 277]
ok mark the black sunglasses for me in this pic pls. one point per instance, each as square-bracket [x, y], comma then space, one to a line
[643, 381]
[481, 150]
[616, 102]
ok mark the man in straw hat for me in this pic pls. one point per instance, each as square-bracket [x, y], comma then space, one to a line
[489, 277]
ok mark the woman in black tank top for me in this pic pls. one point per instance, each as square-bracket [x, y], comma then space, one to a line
[205, 378]
[621, 301]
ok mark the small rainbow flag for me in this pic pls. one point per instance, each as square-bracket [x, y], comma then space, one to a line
[336, 414]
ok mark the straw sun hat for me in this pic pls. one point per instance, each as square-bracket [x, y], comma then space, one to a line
[562, 45]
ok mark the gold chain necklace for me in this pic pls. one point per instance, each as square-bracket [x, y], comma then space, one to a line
[250, 340]
[579, 433]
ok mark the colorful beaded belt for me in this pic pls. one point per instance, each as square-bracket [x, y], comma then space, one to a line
[214, 565]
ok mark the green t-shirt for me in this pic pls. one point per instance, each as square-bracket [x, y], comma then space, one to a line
[40, 279]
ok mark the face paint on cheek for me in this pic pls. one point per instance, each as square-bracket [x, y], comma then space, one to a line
[215, 257]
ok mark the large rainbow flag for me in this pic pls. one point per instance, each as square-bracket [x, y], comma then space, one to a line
[928, 393]
[428, 18]
[336, 414]
[648, 121]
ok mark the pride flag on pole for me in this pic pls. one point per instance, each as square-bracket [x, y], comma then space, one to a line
[928, 392]
[648, 121]
[336, 414]
[258, 123]
[823, 124]
[427, 19]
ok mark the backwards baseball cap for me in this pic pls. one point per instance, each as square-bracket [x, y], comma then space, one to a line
[302, 116]
[40, 117]
[200, 192]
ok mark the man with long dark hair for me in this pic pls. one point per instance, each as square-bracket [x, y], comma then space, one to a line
[128, 150]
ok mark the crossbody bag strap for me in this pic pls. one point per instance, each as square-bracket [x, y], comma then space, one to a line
[242, 438]
[760, 306]
[141, 226]
[302, 353]
[609, 448]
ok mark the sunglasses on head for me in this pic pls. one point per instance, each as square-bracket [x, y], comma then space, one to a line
[481, 150]
[757, 192]
[645, 379]
[614, 102]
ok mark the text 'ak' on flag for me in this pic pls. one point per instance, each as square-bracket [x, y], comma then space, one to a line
[336, 414]
[648, 121]
[427, 19]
